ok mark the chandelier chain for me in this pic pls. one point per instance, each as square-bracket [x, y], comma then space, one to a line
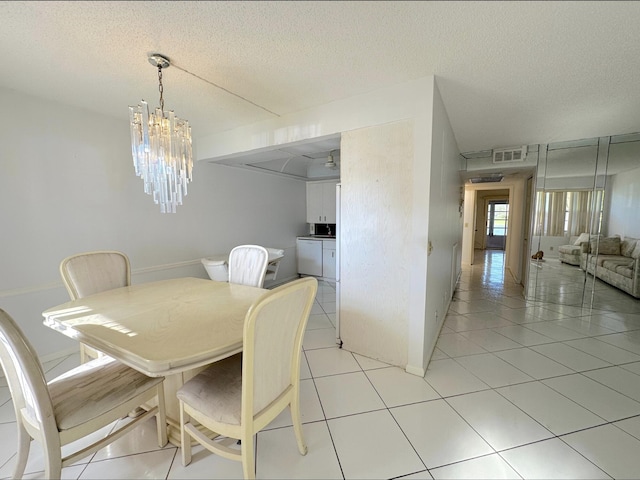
[161, 89]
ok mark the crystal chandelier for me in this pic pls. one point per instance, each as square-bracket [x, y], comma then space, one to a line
[161, 148]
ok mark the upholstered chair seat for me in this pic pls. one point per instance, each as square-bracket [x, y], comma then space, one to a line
[73, 405]
[237, 397]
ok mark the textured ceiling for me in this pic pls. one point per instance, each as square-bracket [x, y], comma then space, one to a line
[510, 73]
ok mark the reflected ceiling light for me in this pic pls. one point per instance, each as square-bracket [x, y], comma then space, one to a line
[161, 148]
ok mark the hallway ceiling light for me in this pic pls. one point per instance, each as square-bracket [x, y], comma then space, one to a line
[161, 148]
[487, 179]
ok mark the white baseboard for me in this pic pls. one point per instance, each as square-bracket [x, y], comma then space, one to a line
[419, 371]
[281, 281]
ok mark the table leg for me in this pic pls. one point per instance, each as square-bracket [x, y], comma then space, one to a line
[172, 383]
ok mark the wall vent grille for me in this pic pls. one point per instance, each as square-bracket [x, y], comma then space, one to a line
[509, 155]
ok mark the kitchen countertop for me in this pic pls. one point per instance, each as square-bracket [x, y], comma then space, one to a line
[316, 237]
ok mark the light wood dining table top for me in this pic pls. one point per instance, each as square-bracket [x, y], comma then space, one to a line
[160, 328]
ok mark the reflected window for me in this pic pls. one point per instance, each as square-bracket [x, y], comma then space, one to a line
[568, 213]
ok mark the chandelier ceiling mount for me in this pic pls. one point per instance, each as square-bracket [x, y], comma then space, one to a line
[159, 61]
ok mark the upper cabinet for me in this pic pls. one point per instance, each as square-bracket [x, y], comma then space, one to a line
[321, 202]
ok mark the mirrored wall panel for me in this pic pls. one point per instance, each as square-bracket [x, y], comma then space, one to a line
[585, 226]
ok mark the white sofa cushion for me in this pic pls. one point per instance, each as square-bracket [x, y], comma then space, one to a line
[606, 246]
[624, 271]
[613, 263]
[627, 246]
[569, 249]
[584, 237]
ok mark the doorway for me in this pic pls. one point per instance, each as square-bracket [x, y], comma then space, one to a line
[497, 224]
[491, 219]
[477, 220]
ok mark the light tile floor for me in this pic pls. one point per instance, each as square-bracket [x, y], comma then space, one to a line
[514, 390]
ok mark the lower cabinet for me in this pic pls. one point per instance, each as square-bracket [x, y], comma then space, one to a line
[329, 260]
[317, 258]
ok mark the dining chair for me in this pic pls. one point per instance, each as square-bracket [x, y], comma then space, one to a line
[272, 267]
[73, 405]
[237, 397]
[248, 265]
[87, 273]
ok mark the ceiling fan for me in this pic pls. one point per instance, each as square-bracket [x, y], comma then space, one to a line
[331, 163]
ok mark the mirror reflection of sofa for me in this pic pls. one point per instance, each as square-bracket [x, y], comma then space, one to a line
[614, 261]
[572, 253]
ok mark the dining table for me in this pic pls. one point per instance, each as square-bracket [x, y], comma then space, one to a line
[169, 328]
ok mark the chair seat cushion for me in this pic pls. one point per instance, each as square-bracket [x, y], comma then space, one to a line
[217, 391]
[93, 388]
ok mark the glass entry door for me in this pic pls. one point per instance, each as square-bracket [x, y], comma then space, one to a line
[497, 224]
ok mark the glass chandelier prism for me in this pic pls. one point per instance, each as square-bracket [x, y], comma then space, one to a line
[161, 149]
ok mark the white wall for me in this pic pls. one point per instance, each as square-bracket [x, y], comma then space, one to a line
[517, 222]
[468, 228]
[624, 215]
[376, 234]
[445, 229]
[398, 102]
[67, 185]
[569, 183]
[412, 102]
[486, 165]
[549, 245]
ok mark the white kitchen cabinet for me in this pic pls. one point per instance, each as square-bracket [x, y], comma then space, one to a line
[321, 202]
[329, 259]
[314, 202]
[329, 202]
[317, 257]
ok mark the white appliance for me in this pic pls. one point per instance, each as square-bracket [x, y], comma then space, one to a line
[338, 241]
[309, 257]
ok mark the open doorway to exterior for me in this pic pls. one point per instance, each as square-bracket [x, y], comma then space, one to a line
[509, 199]
[497, 224]
[491, 217]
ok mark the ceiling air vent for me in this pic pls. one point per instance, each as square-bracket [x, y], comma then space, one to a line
[508, 155]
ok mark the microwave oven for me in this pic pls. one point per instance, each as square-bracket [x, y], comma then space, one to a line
[328, 229]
